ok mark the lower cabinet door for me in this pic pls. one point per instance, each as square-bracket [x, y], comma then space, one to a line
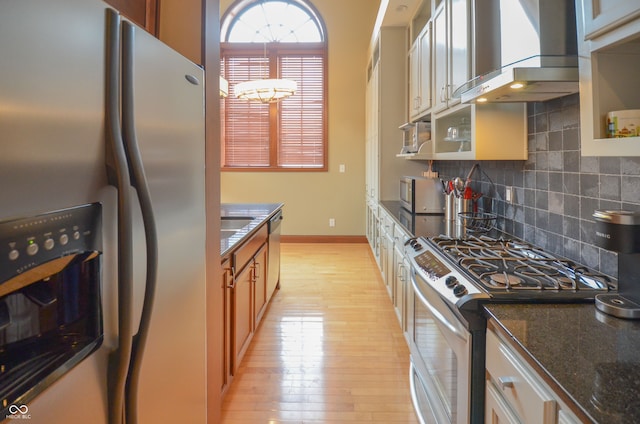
[260, 283]
[242, 316]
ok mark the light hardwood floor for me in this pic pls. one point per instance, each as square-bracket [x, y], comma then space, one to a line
[329, 349]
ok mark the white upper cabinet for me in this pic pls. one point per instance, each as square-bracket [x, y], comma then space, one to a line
[450, 40]
[420, 75]
[601, 16]
[451, 51]
[609, 35]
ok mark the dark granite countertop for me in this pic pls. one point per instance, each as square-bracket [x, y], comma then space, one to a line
[260, 212]
[589, 358]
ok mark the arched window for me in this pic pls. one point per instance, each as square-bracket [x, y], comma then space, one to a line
[264, 39]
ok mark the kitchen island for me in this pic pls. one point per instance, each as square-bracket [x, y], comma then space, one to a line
[250, 260]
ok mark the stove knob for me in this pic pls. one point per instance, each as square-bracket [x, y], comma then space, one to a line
[459, 290]
[417, 247]
[451, 282]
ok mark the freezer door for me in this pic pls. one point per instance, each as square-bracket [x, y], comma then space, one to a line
[52, 156]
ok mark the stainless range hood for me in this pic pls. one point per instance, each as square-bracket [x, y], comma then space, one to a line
[537, 43]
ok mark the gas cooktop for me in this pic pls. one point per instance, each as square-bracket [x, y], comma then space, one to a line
[498, 269]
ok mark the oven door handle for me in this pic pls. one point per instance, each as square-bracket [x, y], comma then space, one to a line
[412, 389]
[436, 314]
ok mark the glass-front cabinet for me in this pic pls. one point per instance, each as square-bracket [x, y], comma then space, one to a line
[609, 43]
[495, 131]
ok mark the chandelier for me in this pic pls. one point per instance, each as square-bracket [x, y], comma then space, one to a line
[265, 90]
[224, 87]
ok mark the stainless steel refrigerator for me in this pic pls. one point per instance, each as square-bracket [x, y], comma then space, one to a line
[85, 99]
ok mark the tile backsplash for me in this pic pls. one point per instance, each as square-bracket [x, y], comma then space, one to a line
[555, 190]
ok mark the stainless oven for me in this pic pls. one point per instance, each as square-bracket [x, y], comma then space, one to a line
[441, 345]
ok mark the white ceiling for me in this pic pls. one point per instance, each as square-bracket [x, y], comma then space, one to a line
[399, 12]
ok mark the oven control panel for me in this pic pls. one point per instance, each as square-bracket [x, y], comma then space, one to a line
[438, 273]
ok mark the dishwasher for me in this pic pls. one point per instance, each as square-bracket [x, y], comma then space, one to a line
[273, 270]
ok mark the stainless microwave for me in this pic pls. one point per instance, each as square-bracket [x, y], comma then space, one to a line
[421, 195]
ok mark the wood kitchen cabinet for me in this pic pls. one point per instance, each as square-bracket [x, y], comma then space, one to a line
[226, 284]
[142, 12]
[609, 59]
[241, 316]
[245, 301]
[260, 295]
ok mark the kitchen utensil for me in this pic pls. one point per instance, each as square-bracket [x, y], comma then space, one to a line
[445, 189]
[471, 171]
[450, 207]
[458, 184]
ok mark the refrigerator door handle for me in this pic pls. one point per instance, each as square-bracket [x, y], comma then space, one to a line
[139, 182]
[118, 176]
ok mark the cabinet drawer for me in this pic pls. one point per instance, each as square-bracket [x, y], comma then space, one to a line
[522, 391]
[249, 248]
[400, 236]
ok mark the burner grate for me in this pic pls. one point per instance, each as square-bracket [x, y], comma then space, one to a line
[501, 265]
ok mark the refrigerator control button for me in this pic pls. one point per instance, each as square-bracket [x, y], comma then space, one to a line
[49, 243]
[64, 239]
[13, 255]
[32, 249]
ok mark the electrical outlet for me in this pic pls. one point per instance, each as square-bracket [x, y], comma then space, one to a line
[342, 167]
[332, 222]
[509, 194]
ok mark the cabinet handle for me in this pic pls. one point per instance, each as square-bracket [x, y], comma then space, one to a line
[232, 271]
[506, 382]
[256, 271]
[400, 271]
